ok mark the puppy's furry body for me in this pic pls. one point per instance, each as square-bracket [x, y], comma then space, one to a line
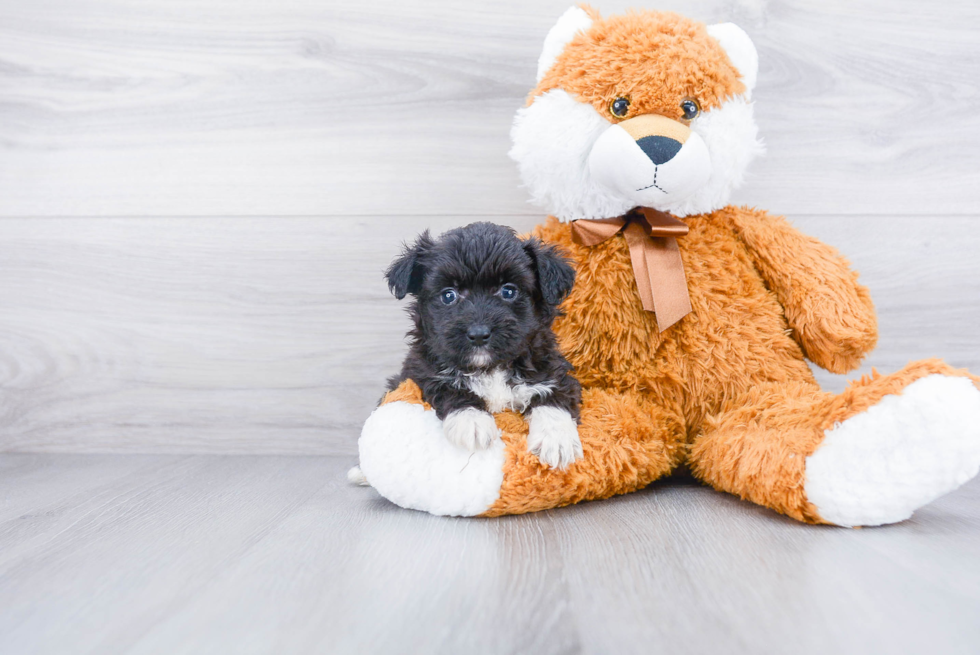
[482, 340]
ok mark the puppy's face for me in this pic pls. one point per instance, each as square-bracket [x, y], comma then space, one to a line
[481, 294]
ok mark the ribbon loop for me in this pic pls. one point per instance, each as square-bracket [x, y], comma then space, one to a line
[651, 236]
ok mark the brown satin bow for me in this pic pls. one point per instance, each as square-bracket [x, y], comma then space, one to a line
[652, 239]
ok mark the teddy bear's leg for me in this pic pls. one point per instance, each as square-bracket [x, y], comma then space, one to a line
[405, 455]
[627, 441]
[872, 455]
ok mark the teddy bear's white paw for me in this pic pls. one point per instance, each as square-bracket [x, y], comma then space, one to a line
[471, 428]
[553, 437]
[881, 465]
[404, 453]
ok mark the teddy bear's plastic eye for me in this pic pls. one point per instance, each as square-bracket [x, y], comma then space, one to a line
[508, 291]
[691, 109]
[619, 107]
[448, 296]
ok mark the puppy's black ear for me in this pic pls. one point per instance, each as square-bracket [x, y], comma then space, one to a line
[555, 274]
[406, 273]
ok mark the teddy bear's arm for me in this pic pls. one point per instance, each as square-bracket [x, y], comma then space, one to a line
[831, 314]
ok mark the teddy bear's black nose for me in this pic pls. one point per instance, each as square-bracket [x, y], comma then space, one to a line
[660, 149]
[478, 334]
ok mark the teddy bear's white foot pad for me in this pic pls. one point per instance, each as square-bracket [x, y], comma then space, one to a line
[881, 465]
[406, 456]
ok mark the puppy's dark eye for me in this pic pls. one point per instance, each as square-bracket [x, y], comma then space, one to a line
[691, 109]
[508, 291]
[448, 296]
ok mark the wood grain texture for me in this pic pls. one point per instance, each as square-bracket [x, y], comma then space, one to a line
[196, 335]
[197, 201]
[207, 554]
[221, 107]
[275, 335]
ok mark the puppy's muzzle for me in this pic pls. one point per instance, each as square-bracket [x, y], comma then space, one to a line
[478, 335]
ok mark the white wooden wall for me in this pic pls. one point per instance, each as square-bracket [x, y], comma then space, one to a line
[198, 197]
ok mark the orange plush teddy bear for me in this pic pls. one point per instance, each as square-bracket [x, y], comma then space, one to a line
[690, 319]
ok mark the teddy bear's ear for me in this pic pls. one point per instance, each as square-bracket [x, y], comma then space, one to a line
[572, 22]
[555, 275]
[406, 273]
[740, 49]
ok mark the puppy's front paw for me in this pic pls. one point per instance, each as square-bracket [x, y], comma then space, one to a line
[553, 437]
[470, 428]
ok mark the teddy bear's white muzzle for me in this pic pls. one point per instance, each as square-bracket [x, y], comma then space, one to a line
[653, 170]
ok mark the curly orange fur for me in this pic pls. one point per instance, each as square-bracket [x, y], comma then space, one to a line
[726, 390]
[653, 400]
[656, 59]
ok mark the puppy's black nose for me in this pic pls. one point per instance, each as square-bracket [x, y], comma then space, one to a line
[478, 334]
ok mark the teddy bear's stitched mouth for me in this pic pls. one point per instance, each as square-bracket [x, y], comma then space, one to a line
[654, 185]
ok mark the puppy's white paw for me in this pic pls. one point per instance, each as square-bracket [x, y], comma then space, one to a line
[470, 428]
[356, 476]
[553, 437]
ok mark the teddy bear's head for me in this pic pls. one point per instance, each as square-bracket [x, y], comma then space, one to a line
[647, 109]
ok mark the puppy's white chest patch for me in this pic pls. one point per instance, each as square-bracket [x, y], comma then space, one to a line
[498, 390]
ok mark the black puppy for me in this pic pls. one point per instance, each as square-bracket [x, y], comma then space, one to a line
[482, 341]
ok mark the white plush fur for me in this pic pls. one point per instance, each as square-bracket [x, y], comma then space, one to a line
[573, 21]
[740, 50]
[553, 139]
[471, 429]
[406, 457]
[909, 449]
[553, 437]
[733, 142]
[500, 391]
[618, 164]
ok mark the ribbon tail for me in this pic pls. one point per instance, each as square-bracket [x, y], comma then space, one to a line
[637, 241]
[671, 300]
[657, 268]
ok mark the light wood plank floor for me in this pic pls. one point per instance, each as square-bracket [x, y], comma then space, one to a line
[263, 554]
[197, 200]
